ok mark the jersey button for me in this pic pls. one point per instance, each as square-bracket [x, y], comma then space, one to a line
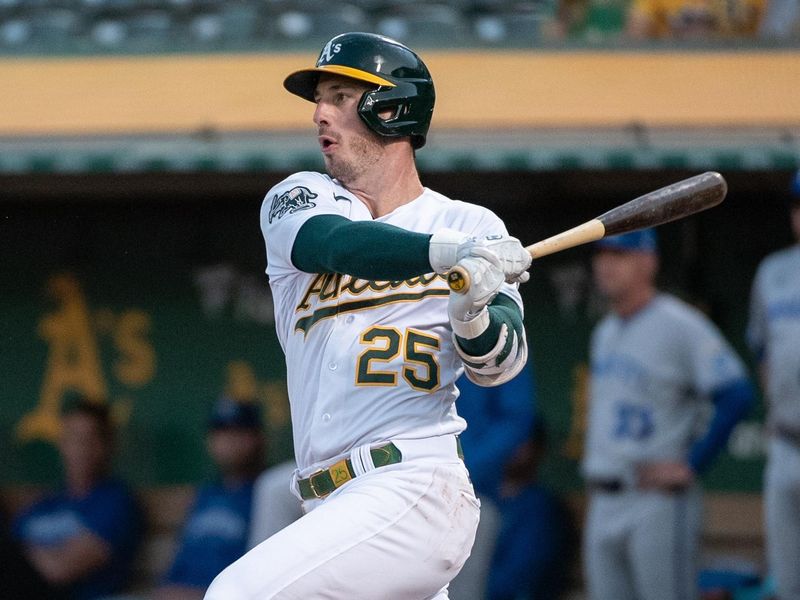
[349, 319]
[333, 366]
[326, 418]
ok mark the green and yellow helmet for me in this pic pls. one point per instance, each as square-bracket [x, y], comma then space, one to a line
[402, 81]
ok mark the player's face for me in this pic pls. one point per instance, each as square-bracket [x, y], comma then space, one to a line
[234, 448]
[349, 148]
[84, 449]
[619, 273]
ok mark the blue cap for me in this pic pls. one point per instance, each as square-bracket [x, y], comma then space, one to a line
[227, 412]
[635, 241]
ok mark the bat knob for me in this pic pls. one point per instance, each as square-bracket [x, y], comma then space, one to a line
[458, 280]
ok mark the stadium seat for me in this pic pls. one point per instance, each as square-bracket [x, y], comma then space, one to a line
[424, 24]
[15, 32]
[309, 25]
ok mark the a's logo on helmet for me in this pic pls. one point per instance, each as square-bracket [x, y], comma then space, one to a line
[296, 199]
[328, 52]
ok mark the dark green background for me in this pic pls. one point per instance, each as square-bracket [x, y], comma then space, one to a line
[136, 242]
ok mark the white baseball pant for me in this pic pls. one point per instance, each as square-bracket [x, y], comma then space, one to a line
[782, 515]
[642, 545]
[399, 531]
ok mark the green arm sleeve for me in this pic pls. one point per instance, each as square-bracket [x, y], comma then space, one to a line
[501, 310]
[364, 249]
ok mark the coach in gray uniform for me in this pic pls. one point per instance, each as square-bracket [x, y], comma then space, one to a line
[774, 335]
[658, 368]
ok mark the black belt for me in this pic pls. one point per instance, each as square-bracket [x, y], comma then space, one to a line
[325, 481]
[790, 435]
[608, 486]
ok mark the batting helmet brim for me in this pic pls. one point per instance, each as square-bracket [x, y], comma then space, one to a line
[302, 83]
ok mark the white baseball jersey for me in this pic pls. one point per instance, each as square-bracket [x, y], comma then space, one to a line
[774, 330]
[652, 374]
[367, 361]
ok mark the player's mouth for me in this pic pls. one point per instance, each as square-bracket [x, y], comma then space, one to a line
[327, 143]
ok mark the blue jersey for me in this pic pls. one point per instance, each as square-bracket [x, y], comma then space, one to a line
[108, 511]
[498, 419]
[214, 535]
[532, 557]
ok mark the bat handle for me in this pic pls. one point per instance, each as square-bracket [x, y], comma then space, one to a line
[458, 280]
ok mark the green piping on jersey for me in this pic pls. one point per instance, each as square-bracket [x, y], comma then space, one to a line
[306, 323]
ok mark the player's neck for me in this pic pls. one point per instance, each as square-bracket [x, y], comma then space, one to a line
[631, 303]
[78, 486]
[389, 185]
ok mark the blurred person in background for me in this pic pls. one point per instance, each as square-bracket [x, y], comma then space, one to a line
[774, 335]
[658, 368]
[216, 529]
[18, 578]
[693, 20]
[781, 20]
[274, 504]
[593, 21]
[537, 540]
[500, 419]
[83, 538]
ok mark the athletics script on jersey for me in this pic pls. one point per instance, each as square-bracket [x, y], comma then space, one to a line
[296, 199]
[331, 294]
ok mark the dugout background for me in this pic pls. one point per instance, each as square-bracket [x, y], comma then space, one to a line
[149, 289]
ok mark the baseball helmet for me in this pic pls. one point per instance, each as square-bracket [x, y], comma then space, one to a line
[403, 82]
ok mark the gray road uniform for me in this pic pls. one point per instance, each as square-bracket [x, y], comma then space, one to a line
[653, 376]
[774, 334]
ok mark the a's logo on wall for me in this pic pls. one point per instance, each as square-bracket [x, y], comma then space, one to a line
[88, 349]
[296, 199]
[328, 52]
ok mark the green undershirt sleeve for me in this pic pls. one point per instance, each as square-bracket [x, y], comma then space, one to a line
[501, 310]
[364, 249]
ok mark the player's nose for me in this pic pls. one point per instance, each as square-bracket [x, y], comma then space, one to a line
[321, 114]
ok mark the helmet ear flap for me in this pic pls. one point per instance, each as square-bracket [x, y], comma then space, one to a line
[411, 111]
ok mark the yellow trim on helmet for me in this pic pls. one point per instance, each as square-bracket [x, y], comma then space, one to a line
[352, 73]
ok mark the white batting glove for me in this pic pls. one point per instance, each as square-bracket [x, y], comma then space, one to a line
[514, 259]
[448, 246]
[468, 314]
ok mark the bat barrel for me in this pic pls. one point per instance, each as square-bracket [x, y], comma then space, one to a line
[667, 204]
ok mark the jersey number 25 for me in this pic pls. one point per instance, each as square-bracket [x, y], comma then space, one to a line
[384, 344]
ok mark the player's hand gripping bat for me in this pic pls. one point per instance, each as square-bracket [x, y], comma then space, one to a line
[666, 204]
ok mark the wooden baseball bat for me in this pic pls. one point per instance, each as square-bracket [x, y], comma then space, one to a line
[663, 205]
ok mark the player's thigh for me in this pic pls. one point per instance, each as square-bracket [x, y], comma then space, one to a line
[398, 532]
[604, 564]
[665, 545]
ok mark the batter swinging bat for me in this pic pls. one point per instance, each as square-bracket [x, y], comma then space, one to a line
[666, 204]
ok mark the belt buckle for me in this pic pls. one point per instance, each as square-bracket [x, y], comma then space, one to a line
[311, 483]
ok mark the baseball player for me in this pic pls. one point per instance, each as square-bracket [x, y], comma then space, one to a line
[656, 362]
[773, 333]
[374, 341]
